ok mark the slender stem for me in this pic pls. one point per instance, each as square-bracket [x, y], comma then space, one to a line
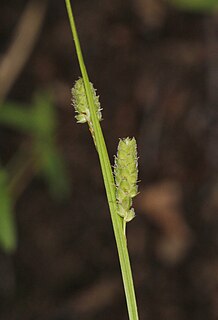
[124, 227]
[108, 181]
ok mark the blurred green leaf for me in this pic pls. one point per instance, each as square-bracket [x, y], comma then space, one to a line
[44, 116]
[53, 170]
[196, 5]
[40, 122]
[16, 116]
[37, 119]
[51, 162]
[8, 239]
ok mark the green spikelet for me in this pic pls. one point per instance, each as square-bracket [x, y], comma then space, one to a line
[80, 103]
[126, 175]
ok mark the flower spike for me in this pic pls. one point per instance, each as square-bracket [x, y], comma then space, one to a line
[80, 103]
[126, 176]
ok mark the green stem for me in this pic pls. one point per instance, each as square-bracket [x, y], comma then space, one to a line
[124, 227]
[108, 181]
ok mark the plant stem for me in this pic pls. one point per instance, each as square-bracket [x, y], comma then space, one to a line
[108, 181]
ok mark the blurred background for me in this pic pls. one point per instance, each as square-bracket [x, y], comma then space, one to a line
[155, 66]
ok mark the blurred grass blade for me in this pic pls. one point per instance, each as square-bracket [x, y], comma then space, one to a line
[53, 170]
[8, 239]
[196, 5]
[44, 117]
[50, 160]
[17, 117]
[40, 122]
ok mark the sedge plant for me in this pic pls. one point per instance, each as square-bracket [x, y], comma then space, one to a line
[120, 186]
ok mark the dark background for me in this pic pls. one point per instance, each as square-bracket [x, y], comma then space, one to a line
[155, 68]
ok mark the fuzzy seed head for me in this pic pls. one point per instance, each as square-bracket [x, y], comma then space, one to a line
[126, 175]
[80, 103]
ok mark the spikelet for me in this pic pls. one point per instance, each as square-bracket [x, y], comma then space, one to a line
[81, 106]
[126, 175]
